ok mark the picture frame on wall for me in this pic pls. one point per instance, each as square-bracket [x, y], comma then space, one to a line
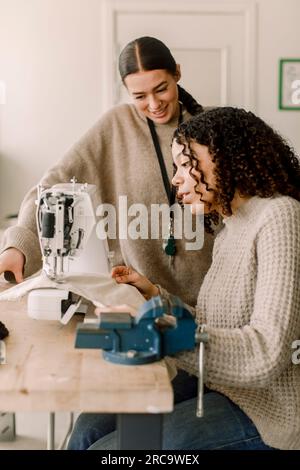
[289, 84]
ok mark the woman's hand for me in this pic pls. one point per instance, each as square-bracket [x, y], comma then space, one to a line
[126, 275]
[13, 260]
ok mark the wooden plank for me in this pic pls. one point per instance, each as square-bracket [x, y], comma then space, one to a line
[44, 372]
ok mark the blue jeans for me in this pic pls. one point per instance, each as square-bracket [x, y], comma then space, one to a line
[224, 426]
[90, 427]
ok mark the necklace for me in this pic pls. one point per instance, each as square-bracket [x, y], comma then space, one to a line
[169, 245]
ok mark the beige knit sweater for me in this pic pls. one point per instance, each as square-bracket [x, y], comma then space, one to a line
[117, 155]
[250, 302]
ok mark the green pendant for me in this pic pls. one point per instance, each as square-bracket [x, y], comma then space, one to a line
[170, 248]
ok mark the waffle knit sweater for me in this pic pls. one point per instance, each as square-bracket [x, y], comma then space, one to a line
[118, 156]
[250, 302]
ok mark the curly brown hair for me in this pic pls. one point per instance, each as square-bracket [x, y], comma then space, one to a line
[249, 156]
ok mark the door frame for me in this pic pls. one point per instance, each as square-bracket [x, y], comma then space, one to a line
[109, 52]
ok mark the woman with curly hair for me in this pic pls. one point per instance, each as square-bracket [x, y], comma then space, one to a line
[234, 164]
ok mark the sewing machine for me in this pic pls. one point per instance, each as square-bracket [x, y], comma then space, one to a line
[160, 328]
[66, 226]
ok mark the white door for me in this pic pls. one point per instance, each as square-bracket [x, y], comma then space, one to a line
[214, 43]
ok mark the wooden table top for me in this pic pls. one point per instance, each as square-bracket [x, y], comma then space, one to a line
[44, 372]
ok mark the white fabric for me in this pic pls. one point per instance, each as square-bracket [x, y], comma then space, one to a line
[101, 290]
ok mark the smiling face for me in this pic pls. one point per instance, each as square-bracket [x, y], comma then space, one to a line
[194, 186]
[155, 93]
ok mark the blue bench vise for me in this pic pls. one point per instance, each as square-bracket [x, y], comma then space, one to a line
[160, 328]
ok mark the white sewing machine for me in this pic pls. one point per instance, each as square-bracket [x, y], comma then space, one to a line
[66, 225]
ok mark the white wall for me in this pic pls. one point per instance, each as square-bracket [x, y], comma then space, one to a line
[278, 37]
[50, 60]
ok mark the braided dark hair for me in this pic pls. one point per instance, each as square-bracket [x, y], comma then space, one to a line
[147, 53]
[189, 102]
[250, 157]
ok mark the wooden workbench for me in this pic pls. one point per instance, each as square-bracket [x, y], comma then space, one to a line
[44, 372]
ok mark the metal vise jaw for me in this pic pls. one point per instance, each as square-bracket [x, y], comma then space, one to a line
[160, 328]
